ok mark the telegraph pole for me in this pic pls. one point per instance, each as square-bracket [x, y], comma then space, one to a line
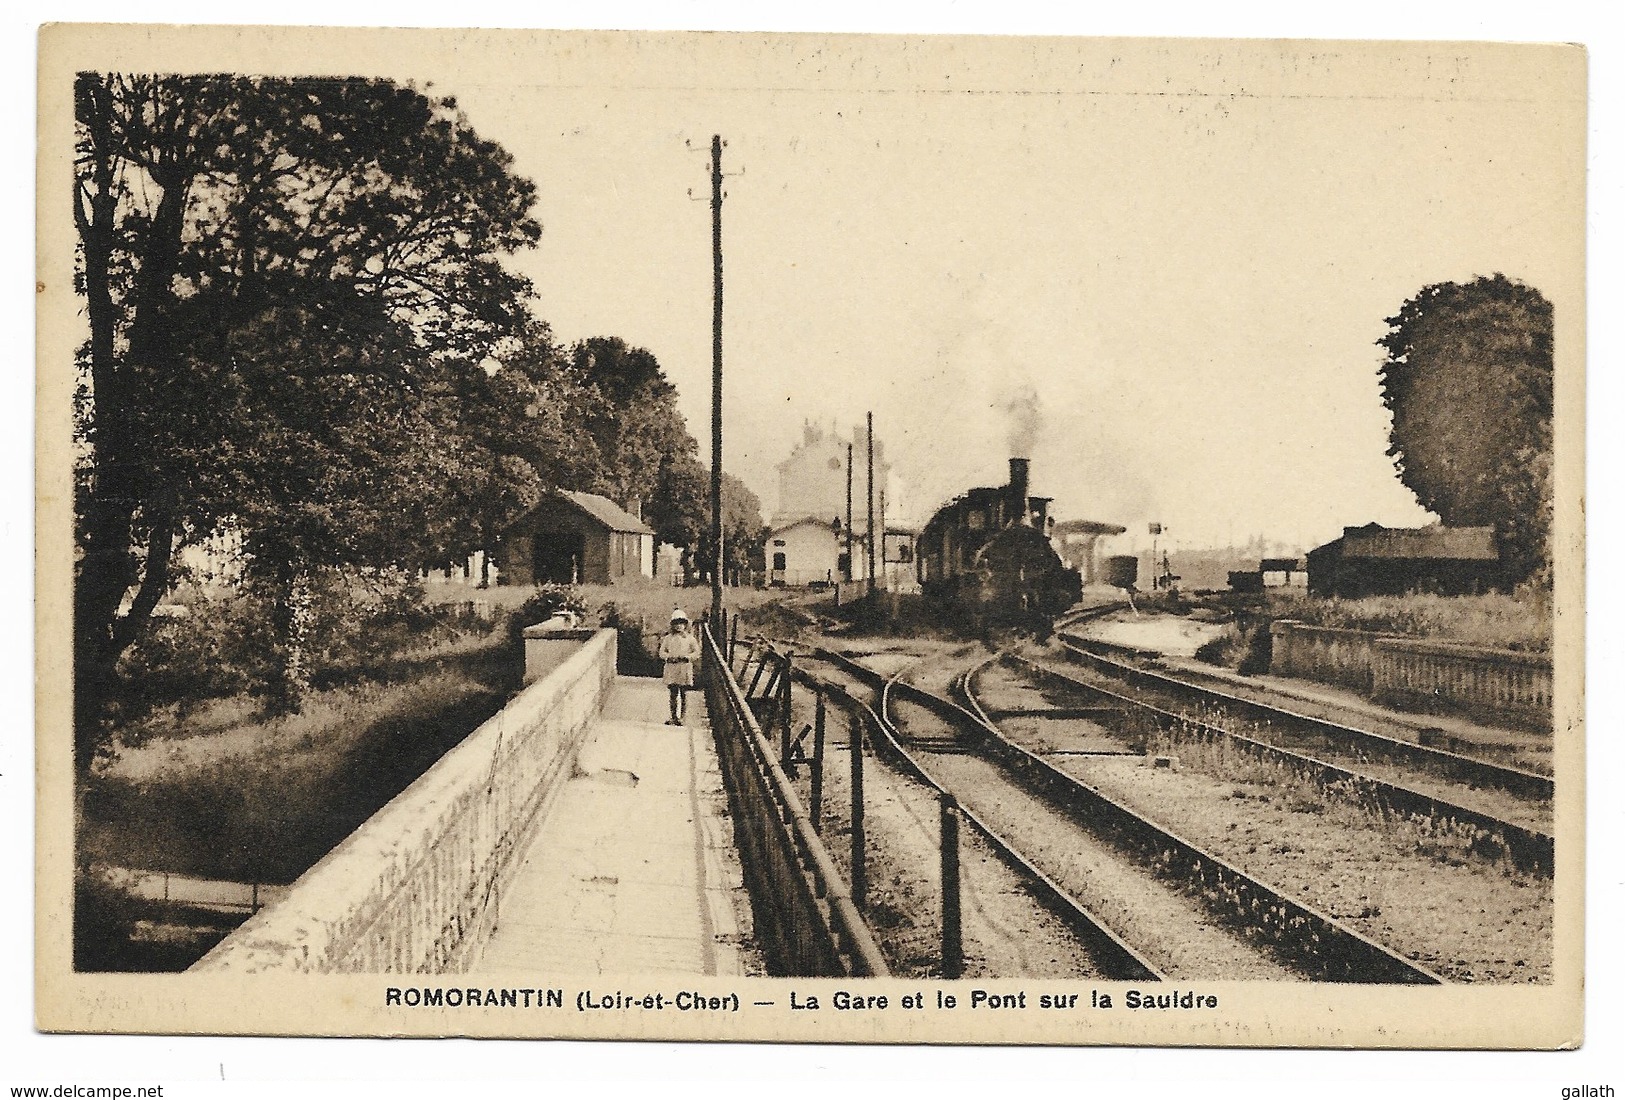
[885, 580]
[869, 433]
[849, 513]
[716, 381]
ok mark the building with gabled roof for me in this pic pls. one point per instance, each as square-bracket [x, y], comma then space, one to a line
[575, 538]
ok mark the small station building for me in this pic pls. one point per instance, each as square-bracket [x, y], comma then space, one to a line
[575, 538]
[1389, 561]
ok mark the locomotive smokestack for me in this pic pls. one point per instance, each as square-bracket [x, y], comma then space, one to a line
[1018, 488]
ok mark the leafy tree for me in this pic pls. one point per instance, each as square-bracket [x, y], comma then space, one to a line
[680, 509]
[635, 416]
[644, 446]
[1468, 380]
[528, 413]
[743, 530]
[291, 288]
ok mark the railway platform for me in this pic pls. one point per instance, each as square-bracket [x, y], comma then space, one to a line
[633, 868]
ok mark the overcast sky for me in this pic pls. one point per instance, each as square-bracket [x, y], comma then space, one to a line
[1186, 251]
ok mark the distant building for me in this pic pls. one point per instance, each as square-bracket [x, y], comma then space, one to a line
[1382, 561]
[575, 538]
[810, 551]
[806, 551]
[1271, 573]
[898, 572]
[812, 481]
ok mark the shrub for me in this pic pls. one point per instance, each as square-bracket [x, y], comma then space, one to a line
[214, 644]
[548, 600]
[1520, 620]
[1243, 645]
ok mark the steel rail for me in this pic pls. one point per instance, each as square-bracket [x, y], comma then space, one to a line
[1468, 769]
[1529, 849]
[1332, 951]
[1117, 959]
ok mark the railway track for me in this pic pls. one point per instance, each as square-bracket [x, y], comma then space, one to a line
[1277, 737]
[1113, 958]
[1108, 660]
[1082, 836]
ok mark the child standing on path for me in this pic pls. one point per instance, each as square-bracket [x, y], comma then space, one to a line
[678, 650]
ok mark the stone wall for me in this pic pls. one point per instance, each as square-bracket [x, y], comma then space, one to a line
[417, 887]
[1499, 686]
[548, 645]
[1328, 654]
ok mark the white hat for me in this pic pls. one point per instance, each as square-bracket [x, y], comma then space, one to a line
[679, 616]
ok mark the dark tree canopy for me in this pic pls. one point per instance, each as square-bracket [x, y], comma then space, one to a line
[1468, 380]
[292, 288]
[645, 450]
[742, 528]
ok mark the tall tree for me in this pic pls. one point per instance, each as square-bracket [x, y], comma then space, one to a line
[528, 413]
[645, 449]
[743, 529]
[681, 505]
[289, 285]
[1468, 379]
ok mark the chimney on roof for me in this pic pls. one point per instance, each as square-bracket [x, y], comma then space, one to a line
[635, 506]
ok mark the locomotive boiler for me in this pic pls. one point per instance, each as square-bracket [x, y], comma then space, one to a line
[988, 554]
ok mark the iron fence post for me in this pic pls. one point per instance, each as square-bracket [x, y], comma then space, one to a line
[860, 883]
[953, 948]
[816, 797]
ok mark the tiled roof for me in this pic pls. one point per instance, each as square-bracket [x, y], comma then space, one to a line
[608, 513]
[600, 508]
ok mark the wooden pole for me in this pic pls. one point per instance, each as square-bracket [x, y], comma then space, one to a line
[885, 581]
[953, 947]
[716, 378]
[848, 577]
[869, 440]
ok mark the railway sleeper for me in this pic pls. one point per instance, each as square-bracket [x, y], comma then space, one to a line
[1486, 837]
[1325, 949]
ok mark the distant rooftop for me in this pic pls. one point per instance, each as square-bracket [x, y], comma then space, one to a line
[608, 513]
[1436, 541]
[600, 508]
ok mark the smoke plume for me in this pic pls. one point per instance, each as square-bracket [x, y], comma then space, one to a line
[1025, 415]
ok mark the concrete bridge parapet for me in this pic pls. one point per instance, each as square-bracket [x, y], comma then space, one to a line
[417, 887]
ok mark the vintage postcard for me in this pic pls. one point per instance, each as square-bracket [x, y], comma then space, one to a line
[811, 538]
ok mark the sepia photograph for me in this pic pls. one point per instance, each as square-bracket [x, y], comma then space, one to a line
[810, 537]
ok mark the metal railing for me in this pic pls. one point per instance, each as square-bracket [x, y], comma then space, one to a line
[806, 921]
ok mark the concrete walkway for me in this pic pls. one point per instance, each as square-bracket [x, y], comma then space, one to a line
[633, 869]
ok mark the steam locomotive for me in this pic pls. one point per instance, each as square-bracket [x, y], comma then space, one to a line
[988, 554]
